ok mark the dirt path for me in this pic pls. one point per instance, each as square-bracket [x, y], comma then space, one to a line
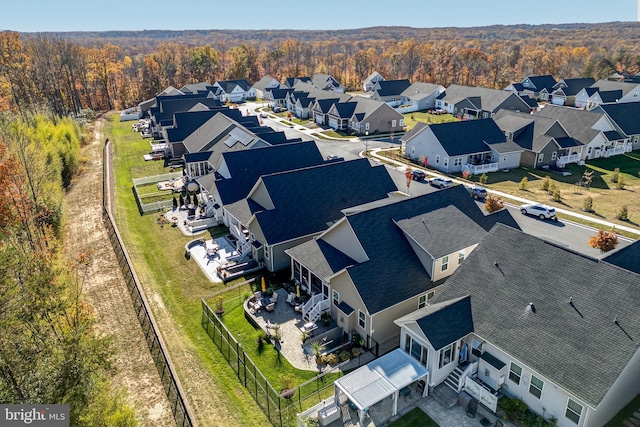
[105, 289]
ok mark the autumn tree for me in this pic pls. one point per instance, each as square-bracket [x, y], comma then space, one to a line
[604, 240]
[493, 204]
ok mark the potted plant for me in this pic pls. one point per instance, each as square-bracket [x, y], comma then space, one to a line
[326, 318]
[318, 348]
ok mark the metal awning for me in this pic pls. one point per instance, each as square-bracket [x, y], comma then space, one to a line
[379, 379]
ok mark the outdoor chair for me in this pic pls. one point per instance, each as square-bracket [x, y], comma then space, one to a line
[291, 298]
[257, 295]
[472, 408]
[274, 297]
[271, 306]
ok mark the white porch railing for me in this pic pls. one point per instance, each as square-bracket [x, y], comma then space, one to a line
[628, 147]
[619, 149]
[561, 161]
[479, 169]
[471, 369]
[314, 314]
[201, 224]
[483, 395]
[309, 305]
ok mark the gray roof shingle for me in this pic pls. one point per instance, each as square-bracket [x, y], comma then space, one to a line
[447, 322]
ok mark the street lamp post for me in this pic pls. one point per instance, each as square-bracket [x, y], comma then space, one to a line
[366, 143]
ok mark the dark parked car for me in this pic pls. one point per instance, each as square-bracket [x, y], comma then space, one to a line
[418, 175]
[477, 192]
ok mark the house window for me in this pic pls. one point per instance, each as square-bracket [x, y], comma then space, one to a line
[416, 350]
[446, 355]
[535, 386]
[589, 150]
[253, 237]
[366, 126]
[461, 255]
[393, 123]
[413, 150]
[515, 373]
[336, 297]
[401, 122]
[446, 162]
[445, 263]
[438, 158]
[540, 157]
[457, 161]
[574, 411]
[485, 115]
[504, 158]
[422, 301]
[361, 319]
[266, 251]
[553, 156]
[430, 295]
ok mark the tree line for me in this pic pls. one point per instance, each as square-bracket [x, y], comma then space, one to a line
[50, 349]
[60, 73]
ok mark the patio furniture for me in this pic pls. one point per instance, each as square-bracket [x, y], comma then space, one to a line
[309, 327]
[291, 298]
[274, 298]
[271, 306]
[406, 392]
[472, 408]
[257, 295]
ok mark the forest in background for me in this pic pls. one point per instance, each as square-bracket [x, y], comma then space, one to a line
[66, 73]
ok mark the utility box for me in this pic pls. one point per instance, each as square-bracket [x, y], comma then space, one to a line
[328, 415]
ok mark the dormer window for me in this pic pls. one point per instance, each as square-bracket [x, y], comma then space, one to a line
[445, 263]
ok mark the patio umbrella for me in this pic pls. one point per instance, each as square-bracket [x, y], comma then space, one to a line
[264, 286]
[297, 291]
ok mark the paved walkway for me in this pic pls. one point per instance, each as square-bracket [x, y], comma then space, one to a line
[633, 421]
[401, 166]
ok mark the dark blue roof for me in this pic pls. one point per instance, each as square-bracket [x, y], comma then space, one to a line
[567, 142]
[345, 308]
[627, 257]
[492, 360]
[345, 109]
[167, 108]
[467, 137]
[229, 85]
[573, 86]
[390, 254]
[448, 323]
[613, 135]
[625, 115]
[247, 166]
[543, 82]
[280, 93]
[530, 101]
[308, 200]
[392, 87]
[201, 156]
[610, 95]
[325, 104]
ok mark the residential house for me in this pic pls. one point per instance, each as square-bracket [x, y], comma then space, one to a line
[303, 108]
[327, 82]
[536, 87]
[624, 117]
[286, 209]
[277, 97]
[166, 106]
[146, 105]
[290, 82]
[374, 117]
[389, 91]
[200, 87]
[237, 171]
[466, 102]
[591, 97]
[543, 139]
[264, 85]
[630, 90]
[234, 90]
[593, 130]
[419, 97]
[371, 81]
[340, 114]
[320, 110]
[553, 328]
[385, 259]
[477, 146]
[565, 91]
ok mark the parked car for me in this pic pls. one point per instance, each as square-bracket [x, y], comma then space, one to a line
[441, 182]
[263, 115]
[418, 175]
[539, 210]
[477, 192]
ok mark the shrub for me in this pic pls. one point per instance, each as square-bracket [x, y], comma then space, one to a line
[493, 204]
[524, 184]
[604, 240]
[466, 174]
[330, 359]
[623, 213]
[616, 175]
[587, 204]
[552, 187]
[483, 178]
[344, 356]
[356, 352]
[621, 183]
[546, 183]
[556, 195]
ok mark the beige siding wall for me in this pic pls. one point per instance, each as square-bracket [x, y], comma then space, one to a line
[344, 286]
[384, 329]
[278, 259]
[261, 195]
[344, 239]
[453, 263]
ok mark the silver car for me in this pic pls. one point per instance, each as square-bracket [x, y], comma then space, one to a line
[441, 182]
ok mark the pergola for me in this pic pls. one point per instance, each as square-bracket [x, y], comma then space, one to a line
[379, 379]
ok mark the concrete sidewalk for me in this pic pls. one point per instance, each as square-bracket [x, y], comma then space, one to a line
[374, 154]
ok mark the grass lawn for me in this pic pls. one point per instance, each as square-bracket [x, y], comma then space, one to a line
[625, 413]
[607, 199]
[174, 286]
[415, 417]
[333, 134]
[411, 119]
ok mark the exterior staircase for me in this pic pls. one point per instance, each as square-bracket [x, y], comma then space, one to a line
[445, 395]
[313, 309]
[453, 380]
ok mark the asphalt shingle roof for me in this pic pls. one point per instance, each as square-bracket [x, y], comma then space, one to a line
[447, 322]
[185, 123]
[543, 82]
[245, 167]
[576, 344]
[482, 98]
[578, 123]
[625, 115]
[467, 137]
[320, 257]
[573, 86]
[627, 257]
[392, 87]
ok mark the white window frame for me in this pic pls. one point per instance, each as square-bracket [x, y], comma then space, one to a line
[431, 295]
[554, 155]
[413, 150]
[535, 387]
[401, 122]
[393, 123]
[569, 410]
[441, 361]
[444, 265]
[366, 126]
[461, 257]
[457, 161]
[515, 373]
[541, 157]
[445, 161]
[266, 251]
[437, 158]
[336, 297]
[422, 301]
[362, 319]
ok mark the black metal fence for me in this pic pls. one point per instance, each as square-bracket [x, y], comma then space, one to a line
[179, 406]
[281, 411]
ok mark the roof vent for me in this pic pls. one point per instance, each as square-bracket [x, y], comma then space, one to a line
[531, 307]
[571, 300]
[615, 319]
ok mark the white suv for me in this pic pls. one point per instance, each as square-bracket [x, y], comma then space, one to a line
[539, 210]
